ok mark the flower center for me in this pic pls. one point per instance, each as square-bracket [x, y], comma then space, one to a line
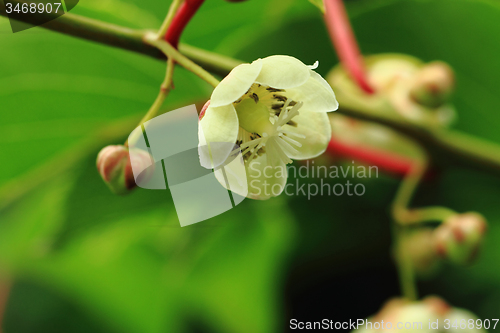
[253, 115]
[263, 112]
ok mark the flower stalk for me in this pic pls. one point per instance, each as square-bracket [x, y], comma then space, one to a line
[400, 231]
[345, 43]
[168, 19]
[389, 162]
[165, 89]
[181, 59]
[181, 19]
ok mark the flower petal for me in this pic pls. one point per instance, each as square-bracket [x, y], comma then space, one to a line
[265, 181]
[236, 83]
[316, 94]
[232, 175]
[314, 133]
[283, 72]
[217, 134]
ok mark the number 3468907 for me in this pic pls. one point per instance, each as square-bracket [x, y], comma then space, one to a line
[32, 8]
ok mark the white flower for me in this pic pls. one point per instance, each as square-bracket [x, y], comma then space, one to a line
[273, 110]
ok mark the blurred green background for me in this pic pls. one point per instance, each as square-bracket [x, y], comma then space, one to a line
[83, 260]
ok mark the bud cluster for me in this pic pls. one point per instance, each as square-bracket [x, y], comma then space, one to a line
[458, 240]
[403, 84]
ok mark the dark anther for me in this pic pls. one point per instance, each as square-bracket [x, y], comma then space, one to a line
[255, 97]
[280, 97]
[274, 89]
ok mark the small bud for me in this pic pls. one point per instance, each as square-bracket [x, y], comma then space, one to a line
[433, 84]
[459, 237]
[116, 166]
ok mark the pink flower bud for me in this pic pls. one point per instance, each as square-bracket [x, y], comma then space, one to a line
[116, 165]
[433, 85]
[459, 238]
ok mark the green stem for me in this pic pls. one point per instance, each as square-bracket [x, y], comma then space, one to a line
[444, 147]
[182, 60]
[165, 88]
[170, 16]
[400, 231]
[404, 265]
[405, 192]
[213, 62]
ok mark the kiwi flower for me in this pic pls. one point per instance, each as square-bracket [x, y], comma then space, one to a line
[272, 110]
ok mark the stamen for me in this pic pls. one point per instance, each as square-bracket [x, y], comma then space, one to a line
[255, 97]
[282, 155]
[279, 97]
[255, 151]
[286, 146]
[297, 135]
[251, 143]
[274, 89]
[294, 111]
[291, 141]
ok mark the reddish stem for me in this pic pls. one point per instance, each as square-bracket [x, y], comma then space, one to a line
[181, 19]
[388, 162]
[345, 43]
